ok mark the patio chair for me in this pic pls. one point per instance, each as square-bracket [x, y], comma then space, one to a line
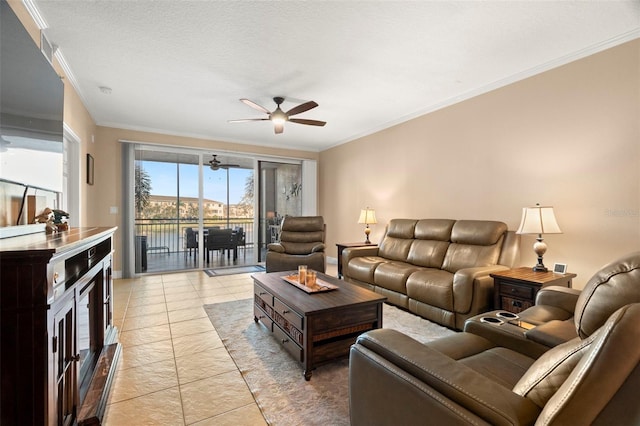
[190, 241]
[241, 240]
[221, 240]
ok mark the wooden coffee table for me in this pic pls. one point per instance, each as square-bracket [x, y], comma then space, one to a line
[319, 327]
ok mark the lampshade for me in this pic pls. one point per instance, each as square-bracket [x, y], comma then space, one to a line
[367, 216]
[538, 220]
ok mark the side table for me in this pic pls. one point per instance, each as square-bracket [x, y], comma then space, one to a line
[515, 289]
[342, 246]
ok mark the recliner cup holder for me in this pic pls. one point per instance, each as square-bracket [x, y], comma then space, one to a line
[507, 315]
[492, 320]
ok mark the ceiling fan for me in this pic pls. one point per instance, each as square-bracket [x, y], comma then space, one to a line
[216, 164]
[279, 117]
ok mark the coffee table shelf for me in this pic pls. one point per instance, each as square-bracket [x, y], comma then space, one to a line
[315, 328]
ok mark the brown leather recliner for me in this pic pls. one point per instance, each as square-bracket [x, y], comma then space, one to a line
[301, 243]
[561, 314]
[394, 379]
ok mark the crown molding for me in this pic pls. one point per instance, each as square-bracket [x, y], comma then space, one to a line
[35, 14]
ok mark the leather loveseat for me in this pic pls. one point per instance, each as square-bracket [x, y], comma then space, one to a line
[436, 268]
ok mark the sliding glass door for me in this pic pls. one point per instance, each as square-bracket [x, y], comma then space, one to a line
[167, 207]
[280, 189]
[177, 197]
[228, 204]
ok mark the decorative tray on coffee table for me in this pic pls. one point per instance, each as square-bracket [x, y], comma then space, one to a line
[320, 286]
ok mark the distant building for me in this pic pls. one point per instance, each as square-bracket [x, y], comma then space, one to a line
[165, 205]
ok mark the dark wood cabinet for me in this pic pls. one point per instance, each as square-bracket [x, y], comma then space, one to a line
[515, 289]
[315, 328]
[55, 317]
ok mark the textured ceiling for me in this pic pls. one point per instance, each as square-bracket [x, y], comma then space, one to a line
[179, 67]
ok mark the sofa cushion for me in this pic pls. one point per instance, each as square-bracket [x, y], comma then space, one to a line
[401, 228]
[462, 256]
[432, 286]
[362, 268]
[613, 286]
[393, 275]
[500, 365]
[301, 237]
[303, 224]
[299, 248]
[393, 248]
[434, 229]
[474, 243]
[550, 371]
[477, 232]
[427, 253]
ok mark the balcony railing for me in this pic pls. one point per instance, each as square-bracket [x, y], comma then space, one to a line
[168, 234]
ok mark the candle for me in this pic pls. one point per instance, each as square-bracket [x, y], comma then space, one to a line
[302, 274]
[311, 278]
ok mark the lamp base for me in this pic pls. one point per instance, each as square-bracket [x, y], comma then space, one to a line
[540, 247]
[367, 231]
[540, 268]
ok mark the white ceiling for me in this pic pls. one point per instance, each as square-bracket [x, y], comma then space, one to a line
[179, 67]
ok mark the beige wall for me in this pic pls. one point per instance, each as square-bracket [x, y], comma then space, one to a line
[569, 137]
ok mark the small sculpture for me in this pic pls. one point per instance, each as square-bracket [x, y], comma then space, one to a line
[46, 217]
[60, 218]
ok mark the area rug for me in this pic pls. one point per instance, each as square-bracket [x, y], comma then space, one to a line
[232, 270]
[276, 380]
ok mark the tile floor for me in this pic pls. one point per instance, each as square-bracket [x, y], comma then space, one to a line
[174, 369]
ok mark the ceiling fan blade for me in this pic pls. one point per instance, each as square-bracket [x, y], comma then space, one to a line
[244, 120]
[302, 108]
[279, 128]
[255, 105]
[308, 122]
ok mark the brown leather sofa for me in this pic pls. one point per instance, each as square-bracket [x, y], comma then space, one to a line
[301, 243]
[493, 374]
[436, 268]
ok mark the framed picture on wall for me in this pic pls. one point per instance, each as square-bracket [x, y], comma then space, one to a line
[89, 169]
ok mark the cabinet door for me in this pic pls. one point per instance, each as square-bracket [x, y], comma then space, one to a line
[64, 357]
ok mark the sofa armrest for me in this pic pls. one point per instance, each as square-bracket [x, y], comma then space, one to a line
[435, 386]
[353, 252]
[553, 333]
[277, 247]
[465, 279]
[318, 248]
[561, 297]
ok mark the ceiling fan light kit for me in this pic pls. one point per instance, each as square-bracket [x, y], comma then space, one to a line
[279, 117]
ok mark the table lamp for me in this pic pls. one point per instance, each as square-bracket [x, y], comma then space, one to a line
[539, 220]
[368, 217]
